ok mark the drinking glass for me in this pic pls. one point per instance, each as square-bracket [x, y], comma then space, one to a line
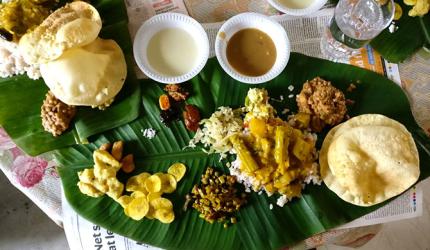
[354, 24]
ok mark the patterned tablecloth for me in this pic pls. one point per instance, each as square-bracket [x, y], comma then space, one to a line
[38, 179]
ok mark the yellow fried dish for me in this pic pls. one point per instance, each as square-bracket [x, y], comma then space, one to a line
[369, 159]
[177, 170]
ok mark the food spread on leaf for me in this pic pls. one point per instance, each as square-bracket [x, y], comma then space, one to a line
[272, 155]
[145, 190]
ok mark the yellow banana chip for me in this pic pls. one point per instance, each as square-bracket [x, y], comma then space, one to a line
[161, 203]
[137, 183]
[103, 157]
[137, 208]
[153, 184]
[168, 183]
[124, 200]
[89, 190]
[153, 196]
[178, 170]
[137, 194]
[151, 213]
[398, 12]
[115, 188]
[164, 215]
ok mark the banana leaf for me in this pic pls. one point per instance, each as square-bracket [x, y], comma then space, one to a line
[21, 97]
[258, 227]
[412, 35]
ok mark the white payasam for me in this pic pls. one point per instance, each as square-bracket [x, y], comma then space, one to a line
[369, 159]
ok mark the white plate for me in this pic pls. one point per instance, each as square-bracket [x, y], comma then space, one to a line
[314, 7]
[163, 21]
[258, 21]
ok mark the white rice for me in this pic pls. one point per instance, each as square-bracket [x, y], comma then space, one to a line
[12, 63]
[149, 133]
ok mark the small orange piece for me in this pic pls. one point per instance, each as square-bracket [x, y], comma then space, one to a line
[128, 163]
[164, 102]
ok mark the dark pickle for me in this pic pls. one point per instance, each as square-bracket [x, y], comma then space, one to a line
[167, 116]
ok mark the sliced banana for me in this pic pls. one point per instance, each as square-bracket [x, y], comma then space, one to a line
[178, 170]
[137, 208]
[164, 215]
[137, 183]
[153, 183]
[124, 200]
[168, 183]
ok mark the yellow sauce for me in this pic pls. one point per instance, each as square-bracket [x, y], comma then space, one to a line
[251, 52]
[172, 52]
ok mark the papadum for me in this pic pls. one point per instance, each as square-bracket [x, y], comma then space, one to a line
[91, 75]
[74, 25]
[369, 159]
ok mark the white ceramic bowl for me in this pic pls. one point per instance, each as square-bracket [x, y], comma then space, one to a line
[161, 22]
[258, 21]
[314, 7]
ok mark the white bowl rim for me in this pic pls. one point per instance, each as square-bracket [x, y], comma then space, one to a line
[173, 19]
[274, 72]
[314, 7]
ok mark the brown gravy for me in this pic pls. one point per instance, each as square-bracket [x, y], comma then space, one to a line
[251, 52]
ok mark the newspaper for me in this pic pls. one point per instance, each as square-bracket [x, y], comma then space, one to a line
[304, 34]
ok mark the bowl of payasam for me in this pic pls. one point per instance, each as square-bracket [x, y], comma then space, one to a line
[252, 48]
[171, 48]
[297, 7]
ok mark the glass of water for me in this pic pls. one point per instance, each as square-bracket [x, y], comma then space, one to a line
[354, 24]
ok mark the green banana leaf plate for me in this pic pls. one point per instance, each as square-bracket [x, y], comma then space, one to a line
[258, 227]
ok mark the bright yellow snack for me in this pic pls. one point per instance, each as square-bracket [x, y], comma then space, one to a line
[164, 215]
[153, 184]
[168, 183]
[137, 183]
[153, 196]
[420, 8]
[89, 190]
[87, 175]
[146, 190]
[161, 203]
[398, 11]
[137, 194]
[124, 200]
[410, 2]
[115, 188]
[137, 208]
[178, 170]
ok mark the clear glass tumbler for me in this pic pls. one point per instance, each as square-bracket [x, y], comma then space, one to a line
[354, 24]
